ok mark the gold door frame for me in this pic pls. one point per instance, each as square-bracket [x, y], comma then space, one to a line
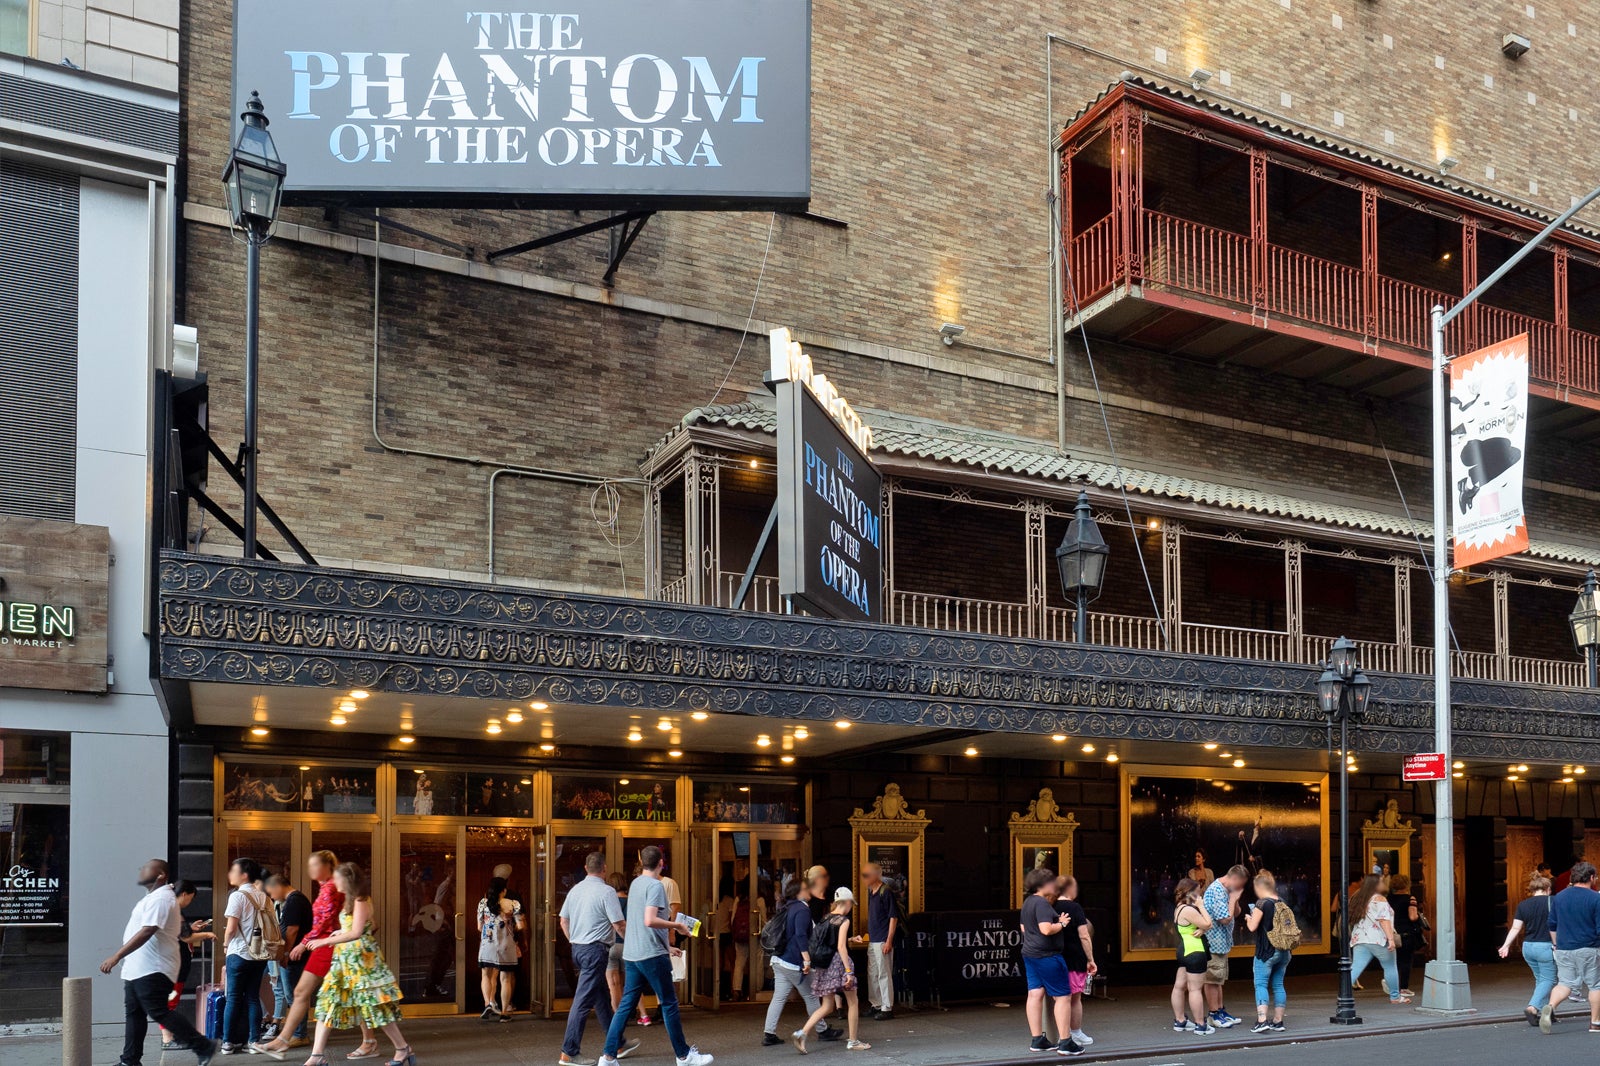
[891, 823]
[1319, 779]
[1041, 826]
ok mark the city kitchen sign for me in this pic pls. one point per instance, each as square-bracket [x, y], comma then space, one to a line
[643, 103]
[830, 496]
[53, 605]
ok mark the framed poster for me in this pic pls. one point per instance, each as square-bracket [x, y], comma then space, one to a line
[1262, 820]
[1041, 839]
[891, 835]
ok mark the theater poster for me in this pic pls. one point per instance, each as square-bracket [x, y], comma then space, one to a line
[1180, 819]
[1488, 431]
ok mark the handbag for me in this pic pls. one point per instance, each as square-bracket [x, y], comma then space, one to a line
[680, 967]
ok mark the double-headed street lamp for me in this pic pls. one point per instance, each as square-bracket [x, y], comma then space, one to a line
[1342, 693]
[1081, 559]
[253, 181]
[1585, 621]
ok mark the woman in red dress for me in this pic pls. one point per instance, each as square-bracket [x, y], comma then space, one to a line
[325, 910]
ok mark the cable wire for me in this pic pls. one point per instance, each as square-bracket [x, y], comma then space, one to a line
[1105, 420]
[1426, 561]
[751, 317]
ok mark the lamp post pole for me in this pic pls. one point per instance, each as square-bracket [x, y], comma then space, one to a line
[1445, 985]
[1345, 1008]
[252, 300]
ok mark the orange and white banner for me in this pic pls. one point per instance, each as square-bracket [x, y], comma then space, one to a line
[1488, 430]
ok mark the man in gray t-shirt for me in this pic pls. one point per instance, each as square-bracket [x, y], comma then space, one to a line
[591, 920]
[647, 958]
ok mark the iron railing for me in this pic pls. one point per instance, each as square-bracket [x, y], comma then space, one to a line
[1222, 264]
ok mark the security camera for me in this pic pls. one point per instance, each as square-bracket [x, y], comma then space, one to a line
[950, 331]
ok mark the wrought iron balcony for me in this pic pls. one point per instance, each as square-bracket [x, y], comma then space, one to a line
[1187, 225]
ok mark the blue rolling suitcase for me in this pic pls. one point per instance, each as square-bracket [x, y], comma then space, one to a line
[209, 998]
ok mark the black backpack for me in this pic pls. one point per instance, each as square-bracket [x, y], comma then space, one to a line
[824, 943]
[775, 934]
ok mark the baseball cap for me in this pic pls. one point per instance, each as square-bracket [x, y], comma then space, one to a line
[503, 870]
[843, 894]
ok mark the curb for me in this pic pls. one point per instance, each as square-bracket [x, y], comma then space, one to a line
[1235, 1044]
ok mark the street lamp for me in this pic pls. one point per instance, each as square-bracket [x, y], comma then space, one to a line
[1585, 620]
[253, 181]
[1342, 693]
[1081, 559]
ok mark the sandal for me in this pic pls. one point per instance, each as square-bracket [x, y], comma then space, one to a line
[403, 1057]
[367, 1050]
[857, 1045]
[266, 1048]
[317, 1060]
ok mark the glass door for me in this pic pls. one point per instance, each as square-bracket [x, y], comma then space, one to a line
[500, 851]
[776, 862]
[566, 852]
[431, 927]
[705, 962]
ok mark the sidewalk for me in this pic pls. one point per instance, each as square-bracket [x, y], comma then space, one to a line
[1137, 1024]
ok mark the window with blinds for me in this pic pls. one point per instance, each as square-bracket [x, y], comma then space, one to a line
[38, 341]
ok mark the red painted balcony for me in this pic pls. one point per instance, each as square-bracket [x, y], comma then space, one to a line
[1202, 231]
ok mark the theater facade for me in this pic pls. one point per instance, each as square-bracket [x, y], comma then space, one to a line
[517, 600]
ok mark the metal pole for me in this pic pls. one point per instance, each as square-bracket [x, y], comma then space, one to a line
[1345, 1009]
[1053, 193]
[1591, 656]
[1080, 620]
[1445, 986]
[252, 284]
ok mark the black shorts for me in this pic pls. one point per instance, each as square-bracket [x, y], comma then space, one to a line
[1195, 962]
[497, 966]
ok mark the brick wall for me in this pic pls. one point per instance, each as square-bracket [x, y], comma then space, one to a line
[929, 121]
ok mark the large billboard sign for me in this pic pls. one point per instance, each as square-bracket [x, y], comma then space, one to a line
[1488, 443]
[830, 496]
[644, 103]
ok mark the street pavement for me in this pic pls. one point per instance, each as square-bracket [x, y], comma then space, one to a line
[1135, 1028]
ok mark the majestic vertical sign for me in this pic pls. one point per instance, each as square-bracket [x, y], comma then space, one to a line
[830, 496]
[54, 591]
[648, 103]
[1488, 430]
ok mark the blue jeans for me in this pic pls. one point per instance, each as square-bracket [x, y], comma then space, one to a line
[656, 975]
[1269, 975]
[1541, 959]
[241, 1020]
[591, 994]
[1361, 956]
[284, 976]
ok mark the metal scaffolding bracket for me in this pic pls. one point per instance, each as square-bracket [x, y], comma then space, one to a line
[630, 223]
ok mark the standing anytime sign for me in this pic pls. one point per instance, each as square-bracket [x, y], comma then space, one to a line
[1428, 766]
[53, 604]
[830, 496]
[641, 103]
[1488, 430]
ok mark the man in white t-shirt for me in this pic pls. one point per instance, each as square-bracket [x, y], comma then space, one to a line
[150, 960]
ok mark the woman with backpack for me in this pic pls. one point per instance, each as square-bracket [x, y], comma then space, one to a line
[1277, 932]
[499, 921]
[833, 974]
[251, 940]
[787, 939]
[1407, 927]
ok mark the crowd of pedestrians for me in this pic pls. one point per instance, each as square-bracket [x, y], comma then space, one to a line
[325, 965]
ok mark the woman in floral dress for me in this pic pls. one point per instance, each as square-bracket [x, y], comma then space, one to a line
[360, 989]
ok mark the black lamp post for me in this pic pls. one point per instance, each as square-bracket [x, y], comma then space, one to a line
[1082, 561]
[1342, 692]
[253, 181]
[1585, 620]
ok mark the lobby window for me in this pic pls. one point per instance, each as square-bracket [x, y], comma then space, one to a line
[35, 825]
[14, 35]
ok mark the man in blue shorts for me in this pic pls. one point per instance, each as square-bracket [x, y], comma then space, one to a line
[1045, 965]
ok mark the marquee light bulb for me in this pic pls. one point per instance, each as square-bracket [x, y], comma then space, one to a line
[514, 717]
[546, 748]
[675, 753]
[493, 728]
[337, 719]
[700, 716]
[1238, 764]
[539, 705]
[406, 738]
[801, 733]
[665, 725]
[763, 741]
[259, 731]
[1088, 749]
[1210, 745]
[842, 724]
[787, 759]
[359, 694]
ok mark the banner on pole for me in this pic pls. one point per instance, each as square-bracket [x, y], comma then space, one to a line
[1488, 430]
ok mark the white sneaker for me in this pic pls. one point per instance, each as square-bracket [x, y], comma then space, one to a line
[607, 1060]
[1081, 1037]
[695, 1058]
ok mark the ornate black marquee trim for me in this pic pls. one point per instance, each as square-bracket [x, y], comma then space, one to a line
[279, 624]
